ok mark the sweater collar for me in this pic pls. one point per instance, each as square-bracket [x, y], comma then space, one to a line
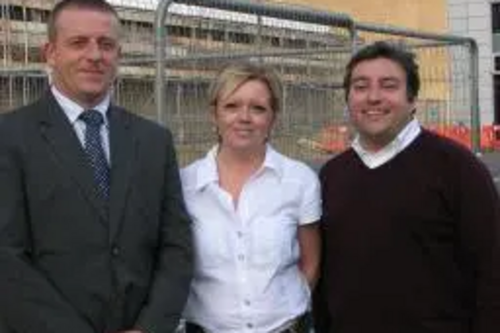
[375, 159]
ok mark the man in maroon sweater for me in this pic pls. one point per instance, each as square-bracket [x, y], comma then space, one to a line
[411, 220]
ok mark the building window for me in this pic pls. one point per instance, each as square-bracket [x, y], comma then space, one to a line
[179, 31]
[496, 88]
[40, 15]
[495, 25]
[495, 17]
[14, 13]
[240, 38]
[218, 35]
[201, 33]
[294, 43]
[496, 97]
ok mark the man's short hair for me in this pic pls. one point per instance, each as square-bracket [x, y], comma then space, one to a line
[97, 5]
[391, 51]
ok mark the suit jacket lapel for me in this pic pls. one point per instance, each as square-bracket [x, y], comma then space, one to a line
[59, 134]
[123, 152]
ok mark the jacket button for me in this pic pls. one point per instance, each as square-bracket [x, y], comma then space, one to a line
[115, 251]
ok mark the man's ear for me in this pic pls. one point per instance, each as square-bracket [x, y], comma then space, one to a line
[413, 105]
[48, 53]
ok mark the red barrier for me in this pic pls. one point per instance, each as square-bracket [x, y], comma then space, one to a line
[336, 138]
[489, 136]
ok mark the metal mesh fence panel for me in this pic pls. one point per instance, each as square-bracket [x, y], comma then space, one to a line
[309, 59]
[22, 33]
[134, 88]
[24, 76]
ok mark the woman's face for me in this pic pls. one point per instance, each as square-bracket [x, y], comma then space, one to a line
[245, 117]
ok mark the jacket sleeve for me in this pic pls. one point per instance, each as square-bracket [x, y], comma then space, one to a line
[28, 302]
[173, 275]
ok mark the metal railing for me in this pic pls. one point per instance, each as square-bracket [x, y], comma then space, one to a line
[172, 51]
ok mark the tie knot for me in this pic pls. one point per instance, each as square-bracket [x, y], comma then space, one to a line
[92, 118]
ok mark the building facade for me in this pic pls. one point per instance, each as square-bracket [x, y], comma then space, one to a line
[427, 15]
[479, 19]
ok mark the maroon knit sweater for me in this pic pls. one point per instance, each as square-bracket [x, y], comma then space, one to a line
[410, 246]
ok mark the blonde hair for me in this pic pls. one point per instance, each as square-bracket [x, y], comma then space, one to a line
[233, 76]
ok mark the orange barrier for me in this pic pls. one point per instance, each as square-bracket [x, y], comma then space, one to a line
[458, 133]
[489, 136]
[336, 138]
[330, 139]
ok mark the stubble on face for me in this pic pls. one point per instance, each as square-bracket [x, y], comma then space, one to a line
[84, 54]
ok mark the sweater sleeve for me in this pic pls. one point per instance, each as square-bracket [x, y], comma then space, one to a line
[321, 315]
[478, 216]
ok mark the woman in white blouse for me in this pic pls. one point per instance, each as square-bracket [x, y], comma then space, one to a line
[255, 215]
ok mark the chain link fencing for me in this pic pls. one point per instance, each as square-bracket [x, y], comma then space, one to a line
[173, 50]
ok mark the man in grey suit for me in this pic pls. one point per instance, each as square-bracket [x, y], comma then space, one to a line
[94, 235]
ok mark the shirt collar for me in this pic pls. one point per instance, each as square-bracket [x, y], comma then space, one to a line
[375, 159]
[273, 161]
[73, 110]
[207, 171]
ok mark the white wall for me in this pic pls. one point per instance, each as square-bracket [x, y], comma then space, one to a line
[472, 18]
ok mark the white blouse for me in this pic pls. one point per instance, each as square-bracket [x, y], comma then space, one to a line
[246, 276]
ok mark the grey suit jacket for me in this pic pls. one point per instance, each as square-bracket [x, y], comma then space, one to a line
[70, 263]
